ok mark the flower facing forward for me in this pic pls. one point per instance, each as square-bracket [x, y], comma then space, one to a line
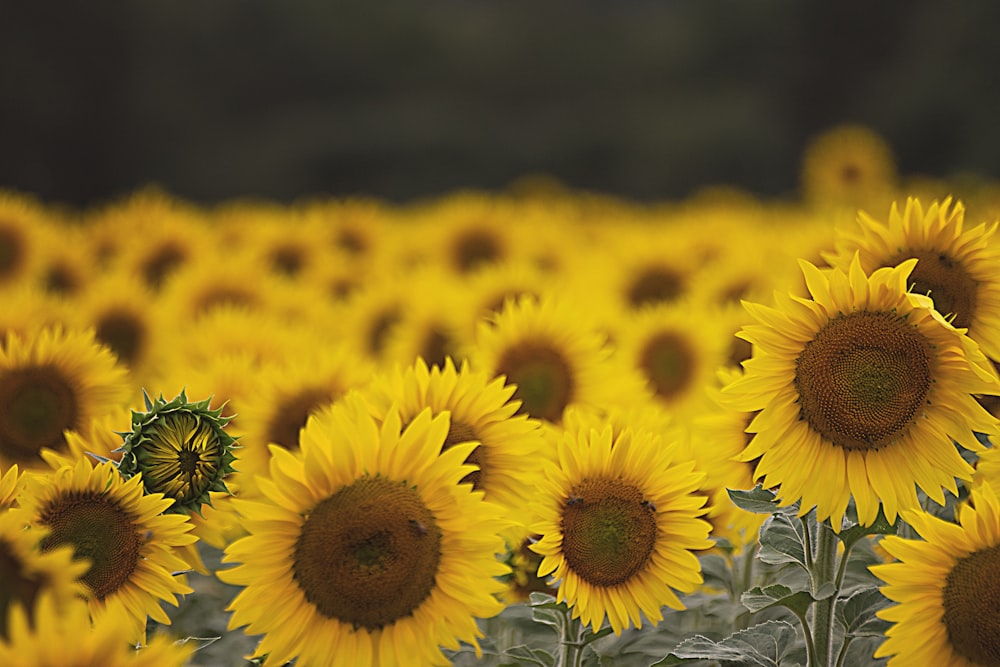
[365, 547]
[861, 391]
[619, 524]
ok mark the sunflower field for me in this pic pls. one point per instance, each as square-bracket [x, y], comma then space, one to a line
[534, 427]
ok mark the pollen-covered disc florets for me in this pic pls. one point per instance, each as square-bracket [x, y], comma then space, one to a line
[182, 450]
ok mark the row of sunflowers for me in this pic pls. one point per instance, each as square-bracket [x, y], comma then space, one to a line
[539, 427]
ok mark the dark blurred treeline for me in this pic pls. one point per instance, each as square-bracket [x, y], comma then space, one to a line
[399, 99]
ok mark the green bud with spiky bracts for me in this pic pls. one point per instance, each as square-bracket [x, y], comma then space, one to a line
[182, 450]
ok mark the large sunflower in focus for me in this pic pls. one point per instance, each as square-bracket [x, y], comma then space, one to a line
[946, 588]
[129, 543]
[56, 380]
[958, 268]
[366, 548]
[482, 411]
[861, 391]
[619, 524]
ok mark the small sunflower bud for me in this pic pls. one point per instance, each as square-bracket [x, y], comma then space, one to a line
[182, 450]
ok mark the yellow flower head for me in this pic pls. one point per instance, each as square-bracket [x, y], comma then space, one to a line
[861, 391]
[619, 523]
[945, 587]
[365, 547]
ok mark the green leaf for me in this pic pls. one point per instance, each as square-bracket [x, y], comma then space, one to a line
[757, 500]
[758, 598]
[880, 526]
[782, 540]
[545, 609]
[526, 655]
[857, 613]
[770, 644]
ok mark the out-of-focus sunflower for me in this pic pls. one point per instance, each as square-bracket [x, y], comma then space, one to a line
[365, 548]
[716, 437]
[676, 348]
[848, 166]
[123, 533]
[56, 380]
[945, 587]
[63, 270]
[430, 323]
[958, 268]
[466, 231]
[481, 411]
[97, 440]
[549, 350]
[173, 235]
[485, 292]
[205, 284]
[861, 391]
[122, 312]
[285, 392]
[619, 525]
[28, 308]
[180, 449]
[54, 638]
[369, 316]
[22, 221]
[30, 575]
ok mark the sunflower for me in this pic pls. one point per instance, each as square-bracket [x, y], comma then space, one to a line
[619, 524]
[124, 534]
[29, 575]
[56, 380]
[482, 411]
[120, 309]
[366, 548]
[555, 357]
[173, 235]
[54, 638]
[430, 324]
[958, 268]
[945, 587]
[181, 449]
[285, 393]
[861, 391]
[676, 348]
[21, 222]
[848, 166]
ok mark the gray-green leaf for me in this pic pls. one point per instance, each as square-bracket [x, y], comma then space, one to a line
[757, 599]
[857, 613]
[770, 644]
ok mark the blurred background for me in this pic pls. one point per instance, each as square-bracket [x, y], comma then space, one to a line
[400, 99]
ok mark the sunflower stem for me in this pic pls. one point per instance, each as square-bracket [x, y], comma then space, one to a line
[824, 565]
[571, 642]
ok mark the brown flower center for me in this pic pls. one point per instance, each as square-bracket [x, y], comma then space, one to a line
[368, 555]
[458, 433]
[474, 248]
[124, 333]
[863, 379]
[668, 362]
[99, 531]
[291, 415]
[972, 607]
[609, 531]
[162, 263]
[944, 279]
[544, 380]
[36, 405]
[656, 284]
[12, 251]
